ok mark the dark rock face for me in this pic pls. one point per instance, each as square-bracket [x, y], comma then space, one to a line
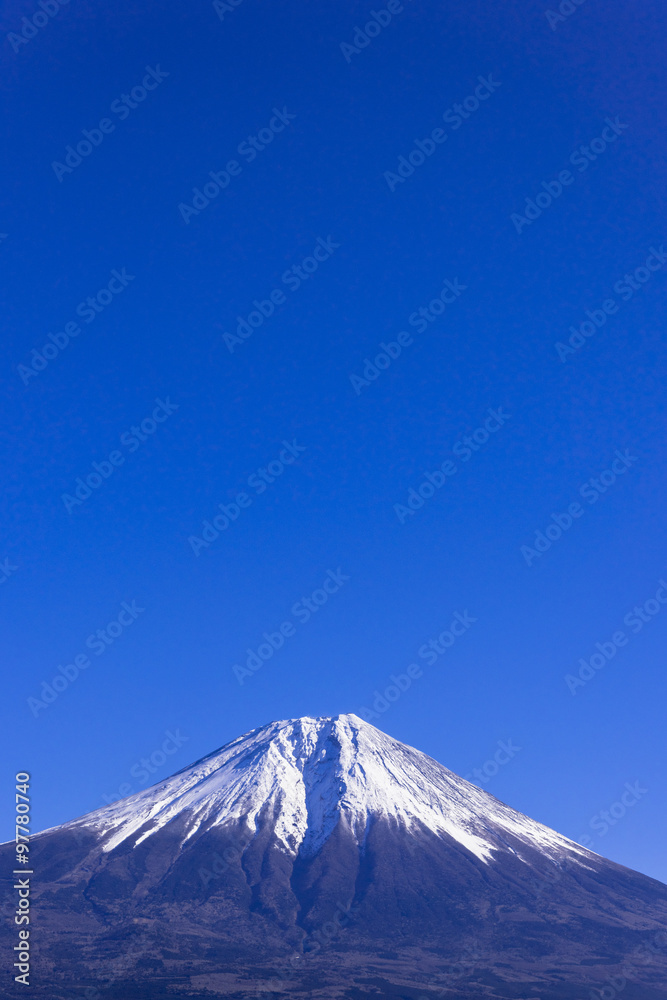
[408, 913]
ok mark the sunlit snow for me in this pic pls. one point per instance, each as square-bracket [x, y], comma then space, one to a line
[307, 775]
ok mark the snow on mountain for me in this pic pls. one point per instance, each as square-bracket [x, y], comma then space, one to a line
[307, 775]
[353, 863]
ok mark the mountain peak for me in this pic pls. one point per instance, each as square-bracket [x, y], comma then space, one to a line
[310, 824]
[304, 778]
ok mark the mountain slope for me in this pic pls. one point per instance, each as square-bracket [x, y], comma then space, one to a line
[313, 774]
[320, 857]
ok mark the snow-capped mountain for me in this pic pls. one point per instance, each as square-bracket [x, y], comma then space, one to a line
[322, 858]
[311, 775]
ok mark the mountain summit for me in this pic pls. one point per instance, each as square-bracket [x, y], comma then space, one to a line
[320, 858]
[306, 776]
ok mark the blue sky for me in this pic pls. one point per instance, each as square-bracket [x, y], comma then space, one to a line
[187, 350]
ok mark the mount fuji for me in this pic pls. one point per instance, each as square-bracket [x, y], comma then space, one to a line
[320, 858]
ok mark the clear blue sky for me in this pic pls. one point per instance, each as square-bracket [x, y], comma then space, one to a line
[306, 139]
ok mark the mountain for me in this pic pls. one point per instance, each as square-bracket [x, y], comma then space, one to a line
[320, 858]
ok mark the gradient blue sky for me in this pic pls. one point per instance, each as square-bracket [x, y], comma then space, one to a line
[323, 177]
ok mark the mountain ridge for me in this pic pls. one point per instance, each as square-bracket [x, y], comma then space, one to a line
[300, 761]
